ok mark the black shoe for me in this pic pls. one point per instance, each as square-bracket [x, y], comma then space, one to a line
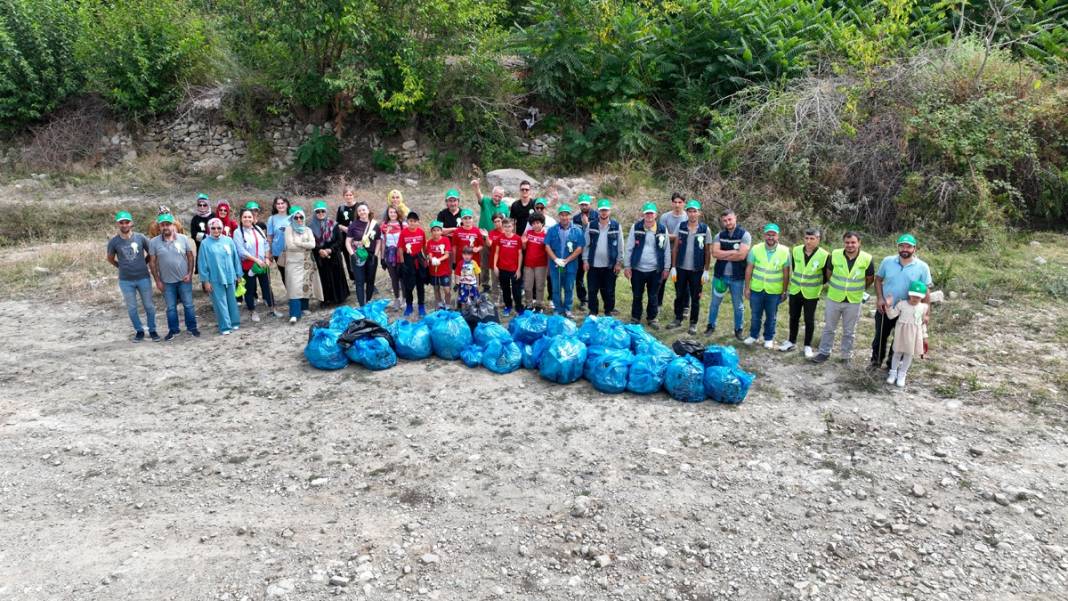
[154, 336]
[195, 333]
[139, 336]
[820, 358]
[739, 334]
[709, 330]
[652, 325]
[674, 324]
[692, 331]
[170, 336]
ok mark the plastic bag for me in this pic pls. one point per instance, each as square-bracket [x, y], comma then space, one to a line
[363, 328]
[689, 347]
[726, 384]
[604, 331]
[502, 356]
[725, 356]
[373, 353]
[532, 352]
[412, 340]
[684, 379]
[638, 336]
[558, 325]
[471, 355]
[563, 360]
[436, 316]
[609, 369]
[647, 370]
[449, 336]
[485, 332]
[343, 316]
[323, 350]
[481, 311]
[376, 311]
[528, 327]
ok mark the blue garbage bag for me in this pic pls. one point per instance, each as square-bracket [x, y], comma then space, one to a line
[532, 352]
[563, 360]
[487, 331]
[528, 327]
[684, 379]
[559, 325]
[608, 370]
[471, 355]
[323, 351]
[411, 339]
[502, 356]
[435, 316]
[727, 384]
[449, 336]
[376, 311]
[604, 331]
[647, 370]
[343, 316]
[638, 336]
[726, 356]
[373, 353]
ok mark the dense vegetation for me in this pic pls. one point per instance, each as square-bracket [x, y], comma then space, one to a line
[855, 110]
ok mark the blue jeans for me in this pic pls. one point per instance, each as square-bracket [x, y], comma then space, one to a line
[224, 303]
[131, 289]
[172, 293]
[297, 306]
[736, 289]
[565, 288]
[763, 306]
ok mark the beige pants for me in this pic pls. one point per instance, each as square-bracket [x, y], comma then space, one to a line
[534, 284]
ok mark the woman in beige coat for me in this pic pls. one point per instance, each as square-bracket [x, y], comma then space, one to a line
[302, 281]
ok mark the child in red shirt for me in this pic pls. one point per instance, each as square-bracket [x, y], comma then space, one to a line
[467, 235]
[535, 261]
[507, 257]
[410, 246]
[439, 250]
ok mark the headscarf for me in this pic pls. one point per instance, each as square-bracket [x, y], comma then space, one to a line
[322, 229]
[297, 227]
[227, 221]
[203, 211]
[215, 221]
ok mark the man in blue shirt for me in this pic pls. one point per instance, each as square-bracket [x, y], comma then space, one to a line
[563, 244]
[892, 279]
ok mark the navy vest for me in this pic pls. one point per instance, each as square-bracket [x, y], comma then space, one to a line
[731, 241]
[698, 250]
[613, 240]
[639, 245]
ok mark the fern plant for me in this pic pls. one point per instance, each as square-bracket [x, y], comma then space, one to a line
[318, 153]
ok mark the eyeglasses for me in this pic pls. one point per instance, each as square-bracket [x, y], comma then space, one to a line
[524, 189]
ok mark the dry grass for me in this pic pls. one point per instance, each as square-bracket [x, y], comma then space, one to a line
[59, 271]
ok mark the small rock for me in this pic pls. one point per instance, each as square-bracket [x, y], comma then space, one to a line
[339, 581]
[897, 554]
[899, 528]
[580, 507]
[1001, 499]
[940, 453]
[429, 558]
[976, 451]
[603, 561]
[411, 183]
[1040, 260]
[659, 552]
[281, 588]
[994, 302]
[1035, 243]
[918, 491]
[410, 145]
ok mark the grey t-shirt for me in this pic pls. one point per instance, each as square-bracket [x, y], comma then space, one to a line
[686, 261]
[671, 222]
[171, 257]
[130, 255]
[728, 269]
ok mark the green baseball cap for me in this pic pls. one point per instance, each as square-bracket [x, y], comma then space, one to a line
[293, 210]
[436, 223]
[648, 207]
[467, 213]
[907, 239]
[202, 196]
[501, 210]
[165, 218]
[452, 193]
[771, 227]
[604, 203]
[123, 216]
[585, 199]
[252, 205]
[539, 201]
[917, 288]
[320, 205]
[693, 204]
[564, 208]
[720, 285]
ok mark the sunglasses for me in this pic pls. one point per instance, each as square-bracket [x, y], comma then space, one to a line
[202, 204]
[298, 217]
[215, 227]
[524, 189]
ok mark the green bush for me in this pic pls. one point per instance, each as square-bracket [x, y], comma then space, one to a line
[140, 53]
[37, 65]
[383, 161]
[318, 153]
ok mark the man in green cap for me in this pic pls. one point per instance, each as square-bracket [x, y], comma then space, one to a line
[689, 265]
[767, 278]
[646, 259]
[128, 251]
[582, 221]
[488, 207]
[450, 215]
[171, 259]
[895, 274]
[602, 259]
[563, 244]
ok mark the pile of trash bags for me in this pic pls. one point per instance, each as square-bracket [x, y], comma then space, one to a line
[612, 356]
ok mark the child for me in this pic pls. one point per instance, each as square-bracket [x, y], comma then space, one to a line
[413, 261]
[536, 263]
[439, 250]
[908, 332]
[507, 256]
[491, 242]
[467, 277]
[467, 236]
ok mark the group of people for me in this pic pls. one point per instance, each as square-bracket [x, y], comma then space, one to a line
[518, 254]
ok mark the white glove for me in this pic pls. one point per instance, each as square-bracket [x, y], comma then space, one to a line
[408, 247]
[674, 275]
[435, 261]
[561, 263]
[704, 277]
[200, 236]
[367, 243]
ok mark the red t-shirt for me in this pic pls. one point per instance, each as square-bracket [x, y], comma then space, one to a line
[439, 249]
[494, 236]
[508, 252]
[535, 250]
[461, 239]
[414, 237]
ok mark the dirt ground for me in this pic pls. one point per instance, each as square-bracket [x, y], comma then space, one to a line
[228, 469]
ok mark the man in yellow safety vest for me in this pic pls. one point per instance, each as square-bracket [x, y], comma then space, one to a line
[849, 273]
[807, 262]
[767, 277]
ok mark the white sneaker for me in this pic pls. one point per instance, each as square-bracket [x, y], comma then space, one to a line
[891, 377]
[226, 333]
[900, 381]
[292, 320]
[236, 328]
[787, 346]
[255, 317]
[769, 344]
[808, 352]
[749, 340]
[276, 313]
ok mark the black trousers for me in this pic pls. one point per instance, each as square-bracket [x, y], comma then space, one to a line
[602, 281]
[798, 305]
[364, 279]
[641, 283]
[688, 292]
[880, 345]
[415, 277]
[580, 286]
[511, 289]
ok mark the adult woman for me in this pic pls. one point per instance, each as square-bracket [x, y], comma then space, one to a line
[362, 242]
[254, 252]
[198, 226]
[276, 230]
[223, 212]
[327, 253]
[396, 200]
[302, 282]
[387, 251]
[220, 270]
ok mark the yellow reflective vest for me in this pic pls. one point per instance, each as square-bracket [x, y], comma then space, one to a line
[847, 284]
[767, 271]
[807, 278]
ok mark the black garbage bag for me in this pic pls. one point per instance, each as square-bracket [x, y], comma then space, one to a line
[481, 311]
[322, 324]
[689, 347]
[364, 328]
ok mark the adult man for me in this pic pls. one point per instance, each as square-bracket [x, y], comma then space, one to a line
[539, 208]
[582, 221]
[730, 248]
[689, 259]
[601, 259]
[128, 251]
[220, 271]
[671, 221]
[895, 274]
[807, 262]
[646, 258]
[171, 259]
[848, 273]
[450, 215]
[488, 206]
[767, 276]
[563, 245]
[520, 209]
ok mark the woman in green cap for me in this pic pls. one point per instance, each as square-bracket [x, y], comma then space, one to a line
[329, 255]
